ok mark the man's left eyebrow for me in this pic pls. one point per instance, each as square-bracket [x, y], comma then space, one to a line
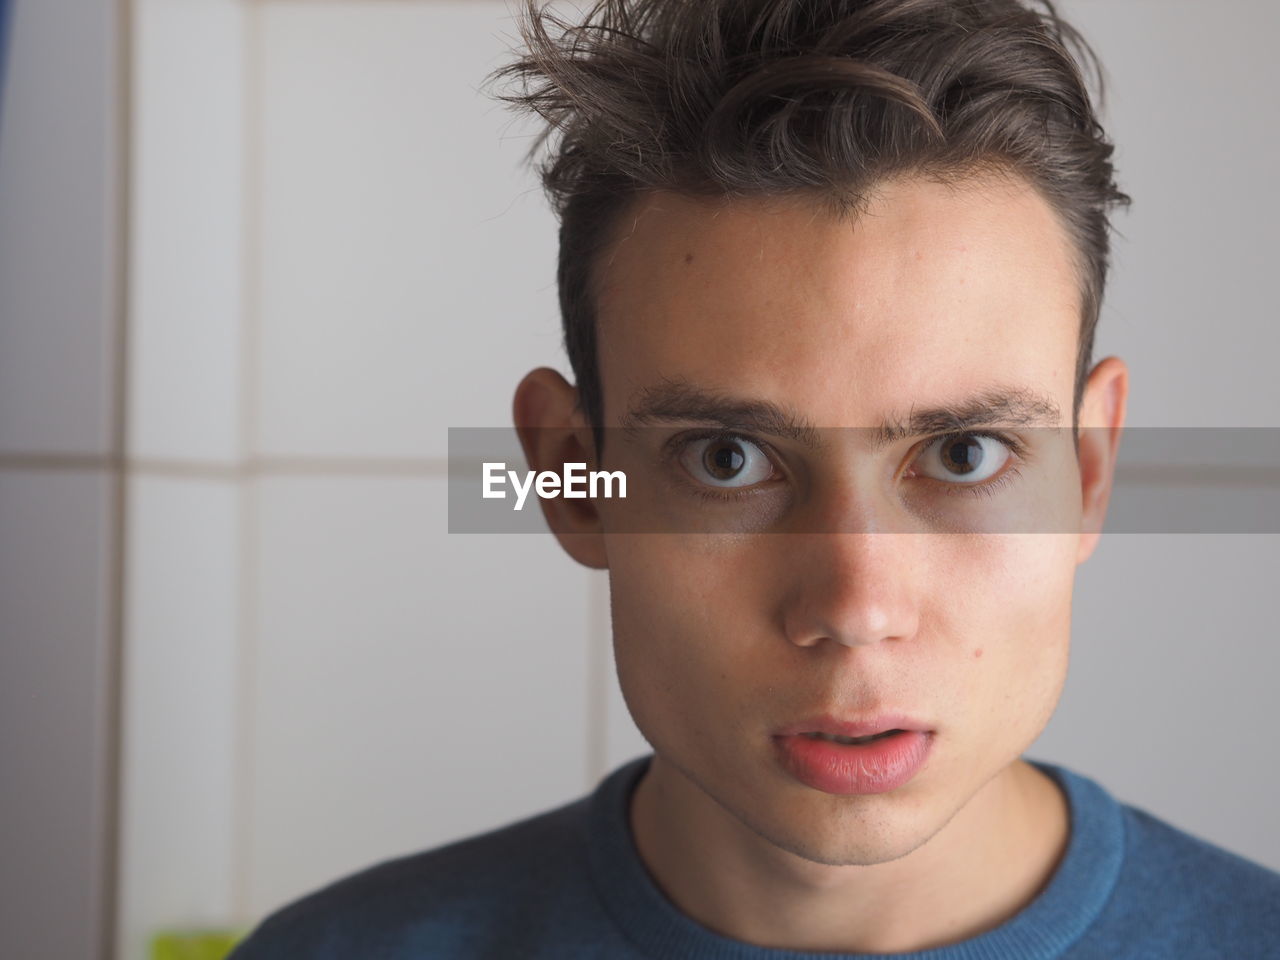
[998, 406]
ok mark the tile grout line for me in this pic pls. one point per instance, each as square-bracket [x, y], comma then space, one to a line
[244, 718]
[209, 470]
[1153, 474]
[111, 901]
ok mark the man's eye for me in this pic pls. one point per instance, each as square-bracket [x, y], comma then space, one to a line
[965, 458]
[726, 462]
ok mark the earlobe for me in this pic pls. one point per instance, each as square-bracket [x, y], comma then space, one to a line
[1102, 414]
[554, 432]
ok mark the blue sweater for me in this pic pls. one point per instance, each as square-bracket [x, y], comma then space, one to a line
[568, 884]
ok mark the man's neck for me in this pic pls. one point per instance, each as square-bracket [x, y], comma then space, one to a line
[982, 867]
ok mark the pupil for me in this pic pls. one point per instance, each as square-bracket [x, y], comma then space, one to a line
[725, 461]
[963, 456]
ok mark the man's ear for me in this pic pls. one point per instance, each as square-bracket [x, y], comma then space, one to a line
[1101, 422]
[554, 432]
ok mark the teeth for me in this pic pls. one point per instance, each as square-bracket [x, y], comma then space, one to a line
[849, 740]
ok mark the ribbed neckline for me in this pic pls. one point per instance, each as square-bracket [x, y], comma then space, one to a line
[1042, 930]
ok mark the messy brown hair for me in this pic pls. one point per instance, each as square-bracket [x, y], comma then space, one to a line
[824, 98]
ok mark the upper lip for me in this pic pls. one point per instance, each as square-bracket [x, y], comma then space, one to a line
[864, 727]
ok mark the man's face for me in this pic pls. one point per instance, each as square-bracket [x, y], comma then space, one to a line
[933, 296]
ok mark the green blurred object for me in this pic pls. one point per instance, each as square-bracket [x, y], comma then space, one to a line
[193, 944]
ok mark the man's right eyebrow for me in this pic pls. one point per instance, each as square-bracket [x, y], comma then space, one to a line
[995, 406]
[674, 401]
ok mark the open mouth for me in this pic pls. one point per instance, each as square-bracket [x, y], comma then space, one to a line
[852, 741]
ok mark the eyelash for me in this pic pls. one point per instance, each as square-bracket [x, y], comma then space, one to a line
[1017, 451]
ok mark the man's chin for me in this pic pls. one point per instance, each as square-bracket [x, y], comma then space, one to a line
[848, 841]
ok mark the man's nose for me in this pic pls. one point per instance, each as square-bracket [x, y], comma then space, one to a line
[851, 588]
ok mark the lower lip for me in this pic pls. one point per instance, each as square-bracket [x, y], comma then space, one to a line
[845, 769]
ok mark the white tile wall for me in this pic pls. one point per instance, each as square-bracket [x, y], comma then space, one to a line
[59, 259]
[188, 193]
[1189, 308]
[408, 263]
[55, 546]
[181, 856]
[1169, 697]
[181, 702]
[57, 282]
[398, 701]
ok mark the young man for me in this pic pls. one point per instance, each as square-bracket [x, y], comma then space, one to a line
[830, 271]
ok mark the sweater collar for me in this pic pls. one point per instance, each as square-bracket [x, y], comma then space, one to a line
[1043, 930]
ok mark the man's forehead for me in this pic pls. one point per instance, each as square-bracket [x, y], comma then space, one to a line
[954, 316]
[918, 242]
